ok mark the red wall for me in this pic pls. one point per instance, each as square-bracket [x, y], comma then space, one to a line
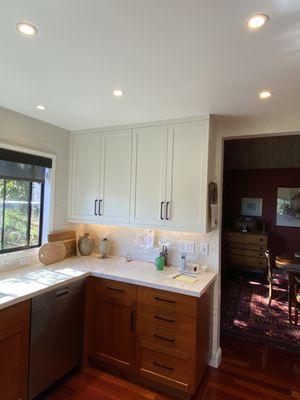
[262, 183]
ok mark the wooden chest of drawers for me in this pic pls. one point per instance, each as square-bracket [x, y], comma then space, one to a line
[246, 250]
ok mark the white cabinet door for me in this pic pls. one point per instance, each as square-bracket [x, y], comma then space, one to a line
[187, 176]
[115, 177]
[85, 177]
[149, 175]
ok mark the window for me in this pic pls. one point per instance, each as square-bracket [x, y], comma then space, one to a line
[22, 185]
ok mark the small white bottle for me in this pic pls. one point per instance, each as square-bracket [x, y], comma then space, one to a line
[182, 266]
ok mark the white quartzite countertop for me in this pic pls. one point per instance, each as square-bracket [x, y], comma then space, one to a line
[24, 283]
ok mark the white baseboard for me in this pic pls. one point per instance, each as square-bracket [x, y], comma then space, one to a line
[216, 358]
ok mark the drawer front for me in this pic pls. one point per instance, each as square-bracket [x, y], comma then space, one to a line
[115, 291]
[247, 252]
[166, 340]
[15, 314]
[165, 318]
[248, 261]
[247, 239]
[169, 301]
[255, 262]
[163, 368]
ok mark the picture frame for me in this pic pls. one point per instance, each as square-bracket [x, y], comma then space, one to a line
[288, 207]
[251, 206]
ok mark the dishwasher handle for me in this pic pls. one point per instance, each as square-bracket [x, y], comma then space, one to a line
[62, 292]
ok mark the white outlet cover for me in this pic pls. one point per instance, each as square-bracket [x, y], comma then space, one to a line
[187, 247]
[204, 248]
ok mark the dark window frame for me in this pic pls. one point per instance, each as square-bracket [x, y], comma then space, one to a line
[28, 246]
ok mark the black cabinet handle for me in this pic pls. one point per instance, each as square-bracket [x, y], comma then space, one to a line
[161, 210]
[95, 207]
[165, 300]
[163, 338]
[167, 211]
[132, 320]
[99, 208]
[163, 366]
[115, 289]
[165, 319]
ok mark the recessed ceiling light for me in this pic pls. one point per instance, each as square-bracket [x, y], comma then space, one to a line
[26, 29]
[257, 21]
[265, 94]
[41, 107]
[118, 93]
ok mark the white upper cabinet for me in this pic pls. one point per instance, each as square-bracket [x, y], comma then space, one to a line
[115, 176]
[186, 195]
[84, 177]
[149, 176]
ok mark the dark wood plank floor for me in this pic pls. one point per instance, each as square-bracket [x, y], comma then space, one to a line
[248, 371]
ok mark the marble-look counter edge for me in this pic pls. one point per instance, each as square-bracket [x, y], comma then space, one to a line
[87, 268]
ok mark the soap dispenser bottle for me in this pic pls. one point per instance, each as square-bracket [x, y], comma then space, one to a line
[182, 266]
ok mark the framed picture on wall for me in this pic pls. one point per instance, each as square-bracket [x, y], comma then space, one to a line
[288, 207]
[251, 206]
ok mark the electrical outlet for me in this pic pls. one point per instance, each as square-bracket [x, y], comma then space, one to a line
[204, 248]
[187, 247]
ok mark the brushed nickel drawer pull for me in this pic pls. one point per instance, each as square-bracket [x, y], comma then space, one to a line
[163, 366]
[164, 300]
[115, 289]
[163, 338]
[165, 319]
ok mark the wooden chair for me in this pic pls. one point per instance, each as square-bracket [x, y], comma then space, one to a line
[274, 275]
[297, 298]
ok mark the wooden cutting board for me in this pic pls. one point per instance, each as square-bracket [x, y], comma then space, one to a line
[66, 237]
[51, 253]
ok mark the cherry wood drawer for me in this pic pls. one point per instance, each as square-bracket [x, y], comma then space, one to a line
[115, 291]
[166, 340]
[169, 301]
[166, 318]
[15, 314]
[163, 368]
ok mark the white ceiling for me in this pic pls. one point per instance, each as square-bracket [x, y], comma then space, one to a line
[173, 58]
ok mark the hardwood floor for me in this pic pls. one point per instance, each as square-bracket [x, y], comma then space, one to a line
[248, 371]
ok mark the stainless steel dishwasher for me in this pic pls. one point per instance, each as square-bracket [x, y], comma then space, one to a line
[56, 335]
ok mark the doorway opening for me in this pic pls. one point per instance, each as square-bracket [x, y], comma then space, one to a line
[260, 228]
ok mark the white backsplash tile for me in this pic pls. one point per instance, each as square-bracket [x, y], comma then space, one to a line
[127, 240]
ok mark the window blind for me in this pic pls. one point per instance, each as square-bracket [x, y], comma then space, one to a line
[17, 165]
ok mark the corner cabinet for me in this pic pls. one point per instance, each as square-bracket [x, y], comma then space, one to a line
[148, 176]
[151, 336]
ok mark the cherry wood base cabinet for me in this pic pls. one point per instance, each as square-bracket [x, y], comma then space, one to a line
[14, 351]
[155, 337]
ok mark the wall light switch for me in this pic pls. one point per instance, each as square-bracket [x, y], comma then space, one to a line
[187, 247]
[204, 248]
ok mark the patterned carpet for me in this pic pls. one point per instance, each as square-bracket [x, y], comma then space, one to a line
[245, 312]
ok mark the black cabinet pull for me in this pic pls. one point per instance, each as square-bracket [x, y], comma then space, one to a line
[132, 320]
[163, 366]
[99, 208]
[163, 338]
[161, 210]
[165, 300]
[165, 319]
[95, 207]
[115, 289]
[167, 211]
